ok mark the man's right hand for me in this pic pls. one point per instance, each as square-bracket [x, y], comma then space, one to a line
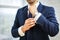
[29, 23]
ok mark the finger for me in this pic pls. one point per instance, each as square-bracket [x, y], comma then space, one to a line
[29, 21]
[32, 25]
[30, 18]
[32, 22]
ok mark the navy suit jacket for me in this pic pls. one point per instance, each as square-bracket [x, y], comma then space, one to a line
[45, 25]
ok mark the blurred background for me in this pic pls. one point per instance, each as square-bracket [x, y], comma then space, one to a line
[8, 10]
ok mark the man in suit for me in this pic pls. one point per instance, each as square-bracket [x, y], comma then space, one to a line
[35, 22]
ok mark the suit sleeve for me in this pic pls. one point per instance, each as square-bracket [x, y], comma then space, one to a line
[16, 25]
[49, 24]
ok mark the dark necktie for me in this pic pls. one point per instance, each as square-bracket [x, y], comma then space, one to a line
[29, 32]
[29, 15]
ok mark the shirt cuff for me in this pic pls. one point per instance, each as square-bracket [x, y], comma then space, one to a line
[21, 32]
[37, 16]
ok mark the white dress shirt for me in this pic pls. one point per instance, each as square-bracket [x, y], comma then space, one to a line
[37, 15]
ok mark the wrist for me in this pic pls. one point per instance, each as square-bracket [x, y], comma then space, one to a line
[21, 33]
[23, 29]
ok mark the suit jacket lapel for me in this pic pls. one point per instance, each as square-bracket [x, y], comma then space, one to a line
[40, 7]
[23, 15]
